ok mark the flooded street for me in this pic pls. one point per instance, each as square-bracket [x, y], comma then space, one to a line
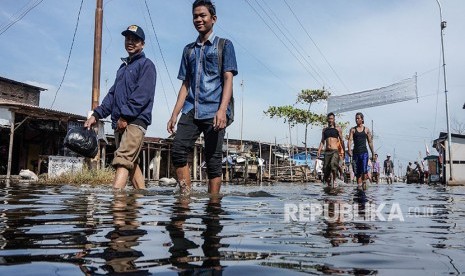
[269, 229]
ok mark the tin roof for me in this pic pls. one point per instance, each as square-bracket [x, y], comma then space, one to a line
[22, 84]
[38, 112]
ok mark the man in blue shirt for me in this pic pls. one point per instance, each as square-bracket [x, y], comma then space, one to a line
[204, 97]
[129, 102]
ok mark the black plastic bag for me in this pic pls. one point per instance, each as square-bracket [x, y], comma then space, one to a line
[82, 141]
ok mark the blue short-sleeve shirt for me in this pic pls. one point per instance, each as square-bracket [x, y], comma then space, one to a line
[199, 65]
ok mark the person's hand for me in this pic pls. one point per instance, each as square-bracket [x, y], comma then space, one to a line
[121, 124]
[318, 154]
[171, 124]
[89, 122]
[219, 122]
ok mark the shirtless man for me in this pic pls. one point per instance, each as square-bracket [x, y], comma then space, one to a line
[331, 136]
[360, 135]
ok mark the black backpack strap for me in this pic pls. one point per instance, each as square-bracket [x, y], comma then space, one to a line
[221, 42]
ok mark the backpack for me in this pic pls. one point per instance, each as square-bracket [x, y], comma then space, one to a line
[220, 47]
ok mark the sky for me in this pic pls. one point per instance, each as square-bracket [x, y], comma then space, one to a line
[282, 47]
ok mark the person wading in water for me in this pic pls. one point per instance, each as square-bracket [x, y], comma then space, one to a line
[360, 135]
[331, 136]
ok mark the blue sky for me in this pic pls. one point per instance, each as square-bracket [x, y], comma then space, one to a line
[369, 44]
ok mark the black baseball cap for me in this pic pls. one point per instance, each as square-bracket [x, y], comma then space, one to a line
[135, 30]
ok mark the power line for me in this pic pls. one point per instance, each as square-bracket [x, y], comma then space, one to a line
[284, 33]
[156, 65]
[69, 54]
[159, 47]
[311, 60]
[277, 36]
[4, 27]
[314, 43]
[256, 58]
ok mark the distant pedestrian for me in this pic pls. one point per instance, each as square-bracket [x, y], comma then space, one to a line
[409, 168]
[331, 140]
[376, 169]
[129, 102]
[360, 135]
[389, 169]
[207, 69]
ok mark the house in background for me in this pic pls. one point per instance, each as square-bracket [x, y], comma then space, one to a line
[29, 133]
[34, 133]
[458, 157]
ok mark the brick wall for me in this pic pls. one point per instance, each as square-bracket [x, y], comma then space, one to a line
[19, 93]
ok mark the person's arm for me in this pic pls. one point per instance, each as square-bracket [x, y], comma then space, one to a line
[341, 139]
[370, 141]
[103, 110]
[322, 144]
[349, 143]
[143, 94]
[183, 91]
[183, 75]
[220, 120]
[229, 69]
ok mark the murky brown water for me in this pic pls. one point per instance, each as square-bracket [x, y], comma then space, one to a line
[68, 230]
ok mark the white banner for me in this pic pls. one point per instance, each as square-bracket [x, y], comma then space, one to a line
[404, 90]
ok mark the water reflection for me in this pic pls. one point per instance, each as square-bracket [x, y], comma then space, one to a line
[181, 258]
[120, 255]
[360, 198]
[66, 230]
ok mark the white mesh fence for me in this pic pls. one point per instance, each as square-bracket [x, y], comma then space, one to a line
[398, 92]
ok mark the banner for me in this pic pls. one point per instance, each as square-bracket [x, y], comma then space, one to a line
[404, 90]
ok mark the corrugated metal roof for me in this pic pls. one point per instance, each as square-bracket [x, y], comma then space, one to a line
[28, 107]
[21, 84]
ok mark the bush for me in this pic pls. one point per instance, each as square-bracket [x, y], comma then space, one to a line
[86, 176]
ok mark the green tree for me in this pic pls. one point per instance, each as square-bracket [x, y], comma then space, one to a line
[293, 115]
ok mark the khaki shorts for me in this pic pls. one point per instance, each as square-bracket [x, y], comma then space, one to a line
[128, 146]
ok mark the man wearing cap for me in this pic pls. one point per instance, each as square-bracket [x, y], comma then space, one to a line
[388, 168]
[204, 97]
[129, 102]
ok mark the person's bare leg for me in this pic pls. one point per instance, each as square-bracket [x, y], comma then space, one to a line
[333, 180]
[121, 177]
[184, 179]
[214, 185]
[137, 179]
[359, 181]
[364, 181]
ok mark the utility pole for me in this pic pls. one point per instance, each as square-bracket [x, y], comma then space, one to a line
[242, 110]
[97, 55]
[449, 137]
[96, 69]
[372, 131]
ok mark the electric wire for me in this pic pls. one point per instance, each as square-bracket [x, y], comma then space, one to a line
[314, 43]
[256, 58]
[286, 33]
[156, 66]
[285, 45]
[7, 26]
[159, 47]
[69, 55]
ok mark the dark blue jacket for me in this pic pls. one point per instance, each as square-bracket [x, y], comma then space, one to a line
[131, 96]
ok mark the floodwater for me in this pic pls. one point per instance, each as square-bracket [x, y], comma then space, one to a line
[253, 229]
